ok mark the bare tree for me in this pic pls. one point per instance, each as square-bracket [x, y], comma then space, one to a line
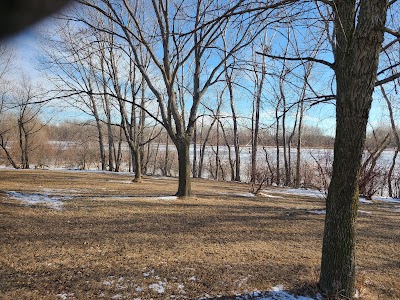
[258, 90]
[355, 30]
[181, 40]
[23, 119]
[73, 64]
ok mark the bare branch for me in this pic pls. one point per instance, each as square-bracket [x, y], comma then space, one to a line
[392, 32]
[387, 79]
[308, 58]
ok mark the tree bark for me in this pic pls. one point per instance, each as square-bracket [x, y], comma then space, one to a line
[358, 45]
[182, 144]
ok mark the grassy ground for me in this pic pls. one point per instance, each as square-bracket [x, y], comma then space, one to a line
[113, 240]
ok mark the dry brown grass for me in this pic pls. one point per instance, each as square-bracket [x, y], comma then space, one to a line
[214, 243]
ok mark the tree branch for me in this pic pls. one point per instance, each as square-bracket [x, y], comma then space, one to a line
[308, 58]
[392, 32]
[387, 79]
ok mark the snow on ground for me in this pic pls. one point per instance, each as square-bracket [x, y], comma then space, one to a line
[159, 286]
[244, 195]
[55, 202]
[321, 195]
[277, 293]
[323, 212]
[264, 194]
[51, 198]
[65, 296]
[317, 212]
[167, 198]
[365, 201]
[298, 192]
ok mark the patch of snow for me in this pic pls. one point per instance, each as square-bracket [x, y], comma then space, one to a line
[193, 278]
[117, 296]
[147, 274]
[364, 212]
[298, 192]
[168, 198]
[277, 288]
[264, 194]
[181, 286]
[365, 201]
[64, 296]
[139, 289]
[317, 212]
[106, 282]
[158, 287]
[277, 293]
[54, 202]
[246, 195]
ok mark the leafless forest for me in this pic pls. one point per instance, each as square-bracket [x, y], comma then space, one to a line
[225, 90]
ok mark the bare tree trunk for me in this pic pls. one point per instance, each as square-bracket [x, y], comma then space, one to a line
[21, 143]
[184, 185]
[356, 63]
[111, 148]
[26, 147]
[298, 148]
[397, 139]
[204, 143]
[235, 134]
[3, 145]
[194, 163]
[284, 138]
[217, 152]
[228, 145]
[278, 172]
[118, 151]
[100, 133]
[166, 158]
[256, 122]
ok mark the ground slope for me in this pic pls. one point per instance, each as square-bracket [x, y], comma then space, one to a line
[98, 235]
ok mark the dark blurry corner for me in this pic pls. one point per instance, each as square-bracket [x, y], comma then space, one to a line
[16, 15]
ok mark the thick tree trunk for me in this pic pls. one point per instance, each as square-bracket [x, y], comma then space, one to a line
[338, 253]
[184, 187]
[138, 165]
[356, 62]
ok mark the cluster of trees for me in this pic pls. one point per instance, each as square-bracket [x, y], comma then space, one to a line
[185, 71]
